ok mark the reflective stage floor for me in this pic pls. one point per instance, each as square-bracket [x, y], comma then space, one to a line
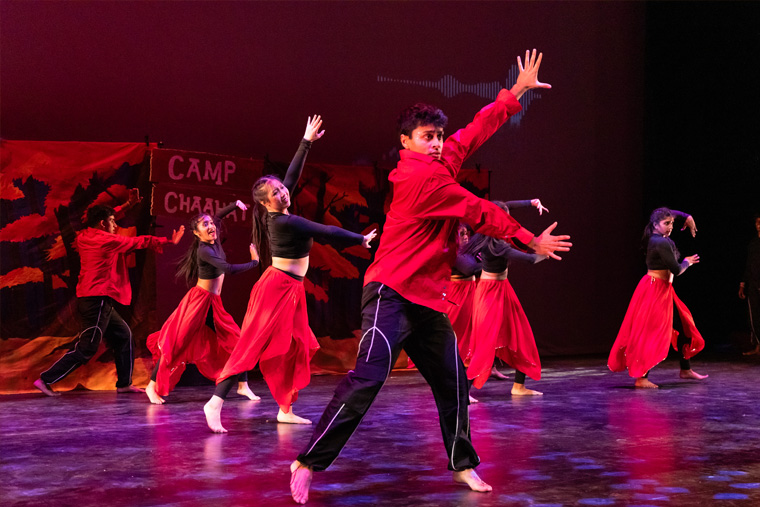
[590, 440]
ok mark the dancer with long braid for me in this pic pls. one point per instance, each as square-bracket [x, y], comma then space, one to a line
[647, 329]
[276, 333]
[200, 331]
[499, 325]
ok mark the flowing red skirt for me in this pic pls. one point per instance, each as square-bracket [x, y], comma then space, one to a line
[276, 335]
[500, 328]
[185, 338]
[461, 316]
[647, 329]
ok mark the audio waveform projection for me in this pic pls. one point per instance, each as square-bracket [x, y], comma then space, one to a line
[450, 87]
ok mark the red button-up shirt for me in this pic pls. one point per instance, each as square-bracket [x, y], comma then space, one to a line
[104, 263]
[418, 244]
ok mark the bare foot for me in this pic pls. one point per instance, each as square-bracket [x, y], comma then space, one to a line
[692, 374]
[471, 478]
[473, 400]
[300, 480]
[213, 411]
[152, 394]
[497, 374]
[521, 390]
[752, 352]
[643, 382]
[46, 389]
[129, 389]
[245, 390]
[291, 418]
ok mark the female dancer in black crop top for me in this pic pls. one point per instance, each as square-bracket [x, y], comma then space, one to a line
[200, 330]
[499, 325]
[647, 329]
[276, 332]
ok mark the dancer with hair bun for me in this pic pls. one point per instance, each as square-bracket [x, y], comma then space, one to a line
[647, 329]
[200, 331]
[499, 325]
[276, 333]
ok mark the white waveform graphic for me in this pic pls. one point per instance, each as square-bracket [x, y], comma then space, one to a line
[450, 86]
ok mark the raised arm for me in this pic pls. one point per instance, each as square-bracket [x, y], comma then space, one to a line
[688, 221]
[223, 212]
[528, 77]
[295, 168]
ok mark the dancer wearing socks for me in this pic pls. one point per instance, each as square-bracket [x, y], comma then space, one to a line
[647, 329]
[499, 325]
[104, 282]
[276, 332]
[406, 290]
[200, 330]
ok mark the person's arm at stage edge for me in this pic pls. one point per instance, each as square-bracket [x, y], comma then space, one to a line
[299, 159]
[536, 203]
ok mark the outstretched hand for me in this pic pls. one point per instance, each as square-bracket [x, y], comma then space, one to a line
[536, 203]
[369, 237]
[547, 244]
[692, 259]
[691, 225]
[134, 197]
[528, 77]
[177, 234]
[312, 128]
[254, 252]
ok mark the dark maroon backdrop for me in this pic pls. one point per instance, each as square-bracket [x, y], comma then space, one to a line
[240, 78]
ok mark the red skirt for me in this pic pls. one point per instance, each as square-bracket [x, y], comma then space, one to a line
[500, 328]
[276, 335]
[461, 316]
[185, 338]
[647, 329]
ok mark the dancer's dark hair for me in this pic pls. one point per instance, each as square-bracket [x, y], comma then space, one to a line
[260, 231]
[656, 217]
[479, 242]
[98, 213]
[420, 114]
[187, 266]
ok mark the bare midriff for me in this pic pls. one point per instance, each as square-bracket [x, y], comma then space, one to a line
[297, 267]
[662, 274]
[213, 285]
[485, 275]
[460, 278]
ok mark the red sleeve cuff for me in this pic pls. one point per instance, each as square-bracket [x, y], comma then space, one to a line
[513, 106]
[524, 236]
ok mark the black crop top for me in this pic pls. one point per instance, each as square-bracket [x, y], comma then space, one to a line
[212, 261]
[466, 265]
[662, 252]
[497, 254]
[291, 236]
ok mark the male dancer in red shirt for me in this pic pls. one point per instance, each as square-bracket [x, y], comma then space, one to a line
[103, 281]
[405, 293]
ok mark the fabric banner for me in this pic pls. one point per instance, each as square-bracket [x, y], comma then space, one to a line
[45, 190]
[46, 187]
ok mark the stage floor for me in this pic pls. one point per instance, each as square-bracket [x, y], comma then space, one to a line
[590, 440]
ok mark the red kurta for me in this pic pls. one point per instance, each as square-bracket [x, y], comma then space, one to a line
[647, 329]
[185, 338]
[418, 243]
[277, 336]
[104, 264]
